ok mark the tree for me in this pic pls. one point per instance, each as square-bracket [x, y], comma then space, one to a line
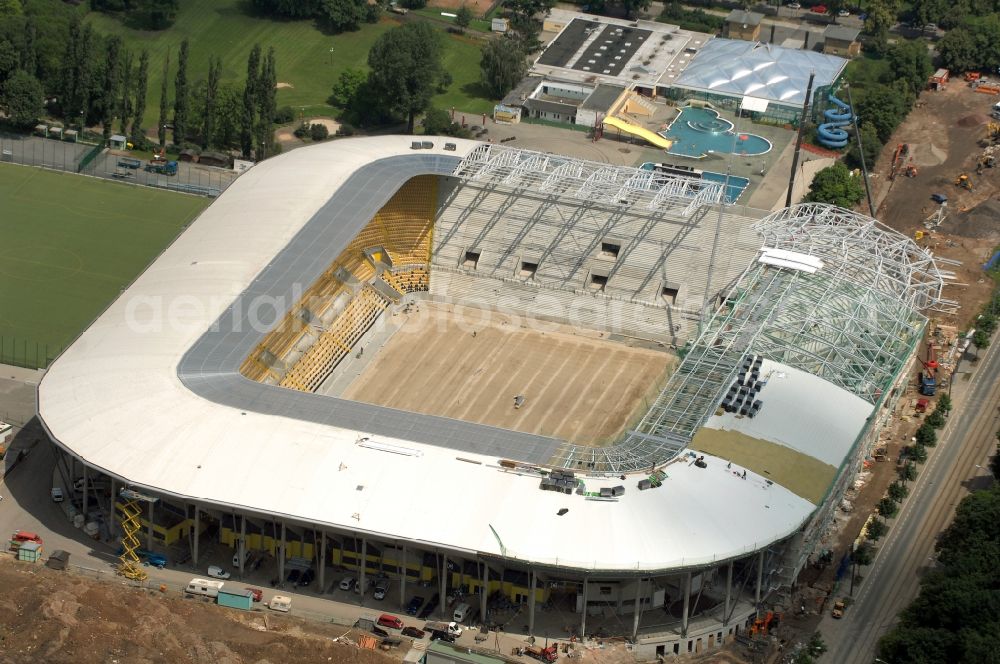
[881, 16]
[863, 555]
[9, 60]
[406, 69]
[211, 92]
[437, 122]
[995, 462]
[341, 15]
[908, 472]
[155, 14]
[112, 83]
[522, 15]
[897, 492]
[164, 102]
[181, 96]
[944, 403]
[835, 184]
[981, 339]
[632, 7]
[909, 61]
[935, 419]
[504, 62]
[463, 16]
[22, 98]
[124, 110]
[959, 51]
[267, 88]
[141, 83]
[250, 101]
[885, 107]
[29, 53]
[887, 508]
[926, 435]
[229, 110]
[345, 89]
[871, 145]
[318, 132]
[76, 74]
[876, 530]
[918, 453]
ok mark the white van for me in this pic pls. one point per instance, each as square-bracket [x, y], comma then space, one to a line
[280, 603]
[462, 612]
[205, 587]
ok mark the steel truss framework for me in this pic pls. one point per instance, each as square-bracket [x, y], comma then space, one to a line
[588, 180]
[852, 322]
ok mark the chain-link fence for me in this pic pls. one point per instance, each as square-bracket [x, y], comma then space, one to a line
[97, 161]
[27, 354]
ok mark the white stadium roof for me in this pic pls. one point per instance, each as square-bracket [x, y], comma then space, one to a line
[115, 400]
[776, 74]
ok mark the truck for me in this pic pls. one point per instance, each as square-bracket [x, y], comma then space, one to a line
[548, 654]
[838, 609]
[928, 377]
[162, 168]
[128, 162]
[450, 629]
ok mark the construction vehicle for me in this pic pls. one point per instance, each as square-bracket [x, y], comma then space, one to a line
[964, 182]
[130, 565]
[162, 168]
[128, 162]
[881, 453]
[838, 609]
[451, 629]
[921, 406]
[910, 171]
[928, 377]
[548, 654]
[986, 160]
[972, 76]
[898, 160]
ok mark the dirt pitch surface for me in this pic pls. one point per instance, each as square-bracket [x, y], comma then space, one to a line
[469, 364]
[52, 616]
[945, 134]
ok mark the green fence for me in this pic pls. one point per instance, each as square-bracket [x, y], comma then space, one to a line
[27, 354]
[89, 157]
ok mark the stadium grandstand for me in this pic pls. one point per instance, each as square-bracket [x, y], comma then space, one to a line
[577, 388]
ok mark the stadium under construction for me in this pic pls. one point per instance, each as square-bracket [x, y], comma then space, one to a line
[581, 387]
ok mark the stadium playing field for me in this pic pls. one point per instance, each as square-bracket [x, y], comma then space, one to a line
[469, 364]
[70, 244]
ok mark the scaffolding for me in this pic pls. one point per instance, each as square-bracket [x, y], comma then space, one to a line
[833, 293]
[130, 566]
[588, 180]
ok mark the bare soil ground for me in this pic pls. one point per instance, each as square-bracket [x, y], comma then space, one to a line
[55, 617]
[944, 134]
[469, 364]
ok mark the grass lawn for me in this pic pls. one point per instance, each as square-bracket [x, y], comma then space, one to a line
[866, 71]
[461, 60]
[71, 243]
[222, 28]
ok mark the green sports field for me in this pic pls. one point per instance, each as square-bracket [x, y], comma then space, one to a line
[306, 68]
[69, 244]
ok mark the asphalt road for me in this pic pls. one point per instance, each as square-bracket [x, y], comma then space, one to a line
[891, 582]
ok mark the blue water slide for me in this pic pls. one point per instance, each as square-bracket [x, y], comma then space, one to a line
[832, 133]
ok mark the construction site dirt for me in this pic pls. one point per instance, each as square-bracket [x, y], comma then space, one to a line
[59, 616]
[946, 135]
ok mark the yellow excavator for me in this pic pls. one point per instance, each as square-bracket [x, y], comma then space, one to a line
[964, 182]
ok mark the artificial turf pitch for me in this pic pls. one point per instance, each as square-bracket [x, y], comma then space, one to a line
[69, 245]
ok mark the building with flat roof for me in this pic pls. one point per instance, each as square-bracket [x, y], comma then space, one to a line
[841, 40]
[742, 24]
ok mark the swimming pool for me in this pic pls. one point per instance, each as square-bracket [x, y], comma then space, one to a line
[698, 132]
[734, 189]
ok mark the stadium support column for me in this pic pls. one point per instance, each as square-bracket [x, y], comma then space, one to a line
[322, 560]
[112, 527]
[364, 568]
[484, 590]
[760, 578]
[281, 555]
[687, 604]
[402, 579]
[86, 495]
[638, 609]
[149, 530]
[531, 603]
[583, 612]
[729, 593]
[241, 546]
[443, 582]
[195, 536]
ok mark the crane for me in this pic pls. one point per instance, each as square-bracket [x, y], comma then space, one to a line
[928, 377]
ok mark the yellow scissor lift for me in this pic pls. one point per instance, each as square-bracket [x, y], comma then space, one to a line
[130, 565]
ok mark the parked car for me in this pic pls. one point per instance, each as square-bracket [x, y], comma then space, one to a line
[387, 620]
[57, 494]
[429, 607]
[378, 631]
[413, 632]
[844, 13]
[793, 5]
[236, 558]
[293, 576]
[347, 583]
[381, 588]
[257, 593]
[931, 27]
[414, 605]
[819, 9]
[217, 572]
[939, 198]
[307, 578]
